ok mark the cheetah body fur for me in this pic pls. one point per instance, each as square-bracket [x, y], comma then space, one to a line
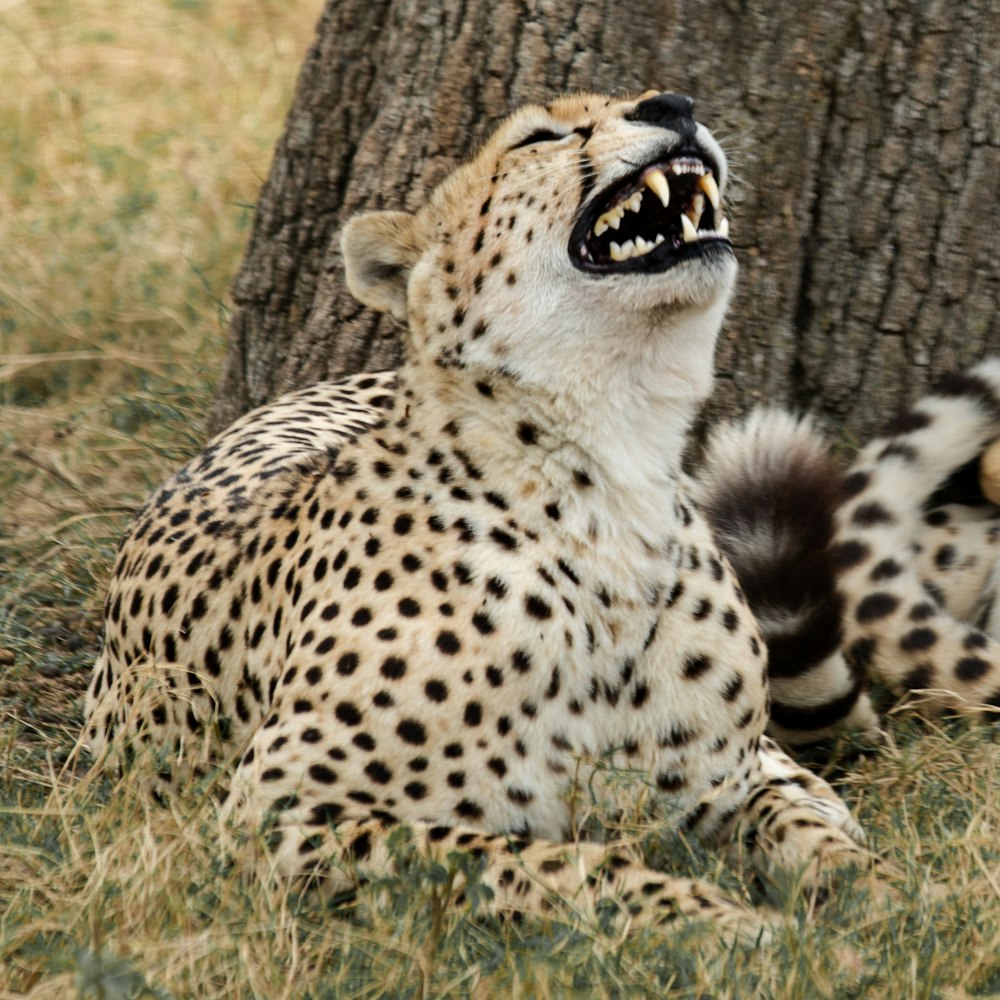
[446, 597]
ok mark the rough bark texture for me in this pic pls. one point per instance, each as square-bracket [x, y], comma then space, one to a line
[864, 138]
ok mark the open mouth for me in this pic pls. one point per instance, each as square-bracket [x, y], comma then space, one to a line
[667, 212]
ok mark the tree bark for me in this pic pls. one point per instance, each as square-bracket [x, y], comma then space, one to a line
[864, 140]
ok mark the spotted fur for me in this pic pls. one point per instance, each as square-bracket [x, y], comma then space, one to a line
[887, 571]
[448, 599]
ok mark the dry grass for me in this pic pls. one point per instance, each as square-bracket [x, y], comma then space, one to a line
[135, 140]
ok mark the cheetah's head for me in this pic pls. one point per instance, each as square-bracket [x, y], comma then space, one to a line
[592, 225]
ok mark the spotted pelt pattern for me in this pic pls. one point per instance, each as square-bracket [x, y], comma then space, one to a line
[887, 570]
[449, 603]
[918, 546]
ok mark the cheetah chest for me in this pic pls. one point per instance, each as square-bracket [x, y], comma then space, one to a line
[447, 657]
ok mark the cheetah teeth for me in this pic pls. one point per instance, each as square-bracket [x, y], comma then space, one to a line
[657, 182]
[611, 219]
[707, 183]
[634, 248]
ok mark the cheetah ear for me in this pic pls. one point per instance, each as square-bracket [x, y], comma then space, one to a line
[379, 249]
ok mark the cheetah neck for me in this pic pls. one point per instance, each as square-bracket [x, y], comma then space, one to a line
[607, 445]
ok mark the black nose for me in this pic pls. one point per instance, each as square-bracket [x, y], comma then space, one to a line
[672, 111]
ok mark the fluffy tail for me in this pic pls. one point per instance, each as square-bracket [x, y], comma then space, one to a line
[770, 490]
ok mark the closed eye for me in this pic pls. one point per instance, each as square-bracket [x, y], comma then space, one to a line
[542, 135]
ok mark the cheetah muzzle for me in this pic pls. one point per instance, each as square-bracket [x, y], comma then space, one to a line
[667, 212]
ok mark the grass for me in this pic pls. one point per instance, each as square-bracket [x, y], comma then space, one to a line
[136, 137]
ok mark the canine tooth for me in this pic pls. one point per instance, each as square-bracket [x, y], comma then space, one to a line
[697, 209]
[616, 251]
[688, 230]
[707, 183]
[723, 228]
[657, 182]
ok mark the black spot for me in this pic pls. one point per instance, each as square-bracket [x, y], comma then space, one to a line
[483, 623]
[503, 538]
[695, 665]
[886, 570]
[860, 653]
[537, 608]
[325, 814]
[521, 661]
[731, 691]
[867, 515]
[393, 667]
[347, 664]
[848, 554]
[971, 668]
[448, 643]
[918, 639]
[667, 782]
[378, 772]
[906, 423]
[473, 714]
[919, 677]
[411, 731]
[436, 691]
[527, 433]
[875, 606]
[323, 774]
[496, 500]
[945, 557]
[922, 611]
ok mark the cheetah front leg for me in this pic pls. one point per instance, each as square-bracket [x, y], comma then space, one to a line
[524, 876]
[794, 824]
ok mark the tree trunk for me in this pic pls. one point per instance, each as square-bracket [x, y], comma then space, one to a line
[863, 137]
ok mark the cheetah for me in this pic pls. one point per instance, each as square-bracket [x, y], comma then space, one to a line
[887, 570]
[443, 598]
